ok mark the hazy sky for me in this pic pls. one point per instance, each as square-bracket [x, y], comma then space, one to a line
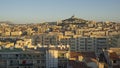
[35, 11]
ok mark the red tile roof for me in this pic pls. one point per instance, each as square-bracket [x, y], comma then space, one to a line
[114, 56]
[84, 54]
[88, 56]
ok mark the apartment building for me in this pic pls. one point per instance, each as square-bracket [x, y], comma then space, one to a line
[41, 57]
[77, 44]
[101, 43]
[86, 44]
[22, 59]
[111, 58]
[114, 41]
[45, 39]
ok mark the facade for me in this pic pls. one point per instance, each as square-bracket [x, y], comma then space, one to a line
[100, 44]
[23, 59]
[115, 41]
[77, 44]
[111, 58]
[45, 39]
[86, 44]
[42, 57]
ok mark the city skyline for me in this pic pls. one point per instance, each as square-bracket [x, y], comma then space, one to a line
[36, 11]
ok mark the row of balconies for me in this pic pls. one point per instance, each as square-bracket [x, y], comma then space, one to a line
[24, 62]
[23, 56]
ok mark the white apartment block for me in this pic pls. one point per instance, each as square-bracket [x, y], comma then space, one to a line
[101, 43]
[77, 44]
[88, 44]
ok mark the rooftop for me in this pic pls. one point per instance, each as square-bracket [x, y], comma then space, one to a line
[114, 53]
[87, 56]
[75, 64]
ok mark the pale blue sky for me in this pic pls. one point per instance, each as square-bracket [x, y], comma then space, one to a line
[35, 11]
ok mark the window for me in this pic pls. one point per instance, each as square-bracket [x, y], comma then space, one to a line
[43, 61]
[82, 45]
[61, 55]
[38, 61]
[114, 61]
[81, 48]
[43, 67]
[82, 42]
[89, 45]
[38, 67]
[42, 55]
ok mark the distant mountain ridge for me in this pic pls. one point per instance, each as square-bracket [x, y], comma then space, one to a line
[5, 22]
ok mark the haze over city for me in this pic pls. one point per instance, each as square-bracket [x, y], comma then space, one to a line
[59, 34]
[36, 11]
